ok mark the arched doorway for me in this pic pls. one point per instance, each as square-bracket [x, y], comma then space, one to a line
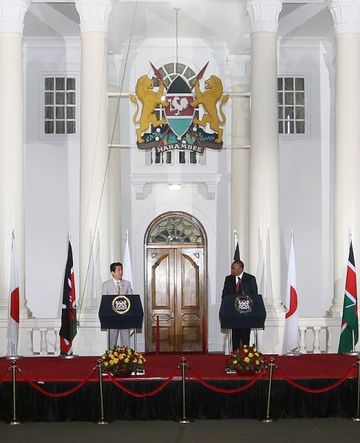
[176, 299]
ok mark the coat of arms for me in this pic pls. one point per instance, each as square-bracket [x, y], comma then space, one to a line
[181, 115]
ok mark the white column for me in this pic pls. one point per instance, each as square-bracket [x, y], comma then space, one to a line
[346, 17]
[114, 175]
[94, 15]
[264, 152]
[239, 67]
[12, 13]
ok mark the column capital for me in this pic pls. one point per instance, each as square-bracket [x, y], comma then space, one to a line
[94, 15]
[264, 15]
[12, 13]
[346, 16]
[240, 66]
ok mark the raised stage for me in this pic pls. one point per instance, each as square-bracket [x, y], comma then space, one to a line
[304, 386]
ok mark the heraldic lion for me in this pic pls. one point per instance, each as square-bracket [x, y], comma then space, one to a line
[209, 98]
[149, 99]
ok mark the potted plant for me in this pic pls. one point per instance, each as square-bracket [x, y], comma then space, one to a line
[247, 360]
[122, 361]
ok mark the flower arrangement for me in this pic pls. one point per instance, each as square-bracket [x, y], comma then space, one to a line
[122, 361]
[247, 359]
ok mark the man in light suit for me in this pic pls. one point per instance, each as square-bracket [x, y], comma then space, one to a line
[242, 283]
[117, 286]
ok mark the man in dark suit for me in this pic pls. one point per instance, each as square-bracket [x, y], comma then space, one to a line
[242, 283]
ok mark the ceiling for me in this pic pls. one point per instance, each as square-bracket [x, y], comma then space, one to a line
[215, 22]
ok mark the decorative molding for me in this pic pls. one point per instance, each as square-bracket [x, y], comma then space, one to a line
[94, 15]
[52, 42]
[140, 180]
[12, 13]
[115, 62]
[303, 43]
[346, 16]
[240, 68]
[264, 15]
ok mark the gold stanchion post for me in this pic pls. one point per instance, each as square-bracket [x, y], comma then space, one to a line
[357, 416]
[268, 418]
[183, 366]
[14, 420]
[102, 420]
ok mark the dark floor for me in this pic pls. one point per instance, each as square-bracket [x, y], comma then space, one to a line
[329, 430]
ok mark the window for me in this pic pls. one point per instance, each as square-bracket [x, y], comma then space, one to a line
[171, 70]
[291, 105]
[175, 229]
[60, 105]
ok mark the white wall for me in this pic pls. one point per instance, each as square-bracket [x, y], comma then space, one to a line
[51, 180]
[306, 169]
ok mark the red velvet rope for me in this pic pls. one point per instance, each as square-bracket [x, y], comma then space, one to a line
[315, 391]
[61, 394]
[227, 391]
[4, 376]
[146, 394]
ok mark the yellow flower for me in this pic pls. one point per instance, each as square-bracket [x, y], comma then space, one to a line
[251, 354]
[121, 357]
[116, 360]
[257, 362]
[126, 360]
[116, 354]
[246, 359]
[256, 354]
[106, 363]
[246, 350]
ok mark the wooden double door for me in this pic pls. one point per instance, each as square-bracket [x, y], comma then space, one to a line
[176, 305]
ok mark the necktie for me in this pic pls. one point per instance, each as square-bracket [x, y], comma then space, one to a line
[118, 287]
[237, 284]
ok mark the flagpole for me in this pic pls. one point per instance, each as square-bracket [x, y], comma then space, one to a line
[14, 305]
[352, 352]
[68, 313]
[291, 321]
[127, 275]
[349, 320]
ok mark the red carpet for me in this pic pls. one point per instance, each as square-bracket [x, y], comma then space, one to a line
[209, 366]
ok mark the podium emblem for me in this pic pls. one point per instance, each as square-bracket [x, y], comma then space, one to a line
[121, 304]
[243, 304]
